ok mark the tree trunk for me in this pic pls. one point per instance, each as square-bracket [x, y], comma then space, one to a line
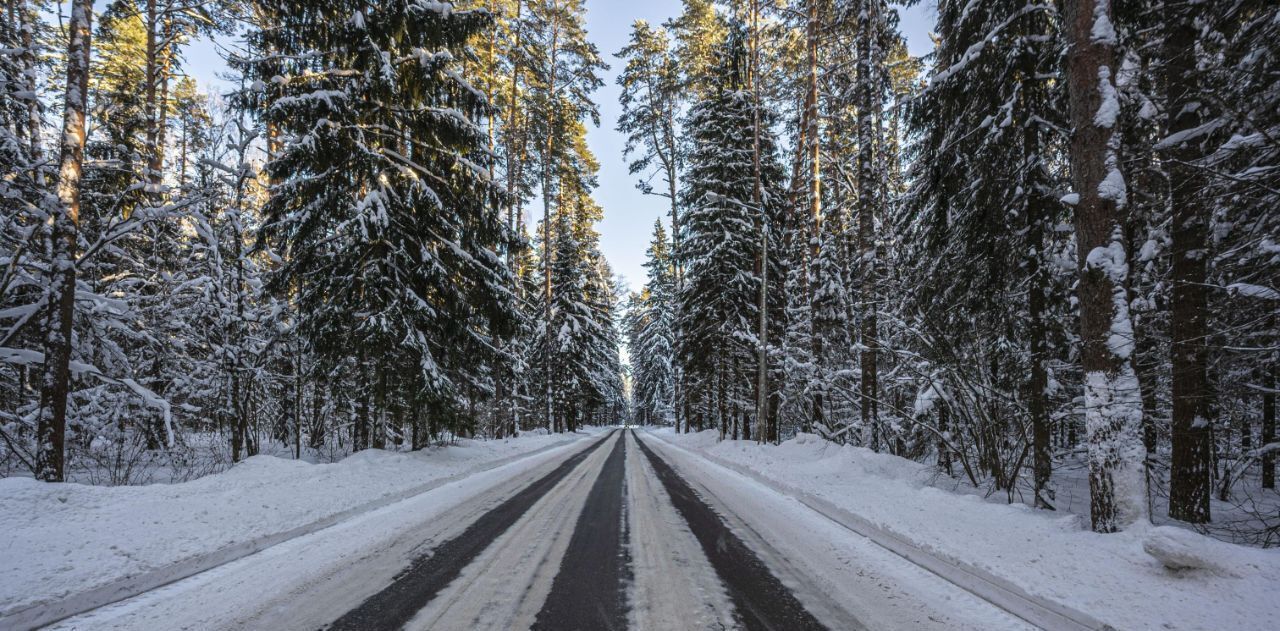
[379, 438]
[1269, 424]
[1113, 409]
[868, 20]
[762, 351]
[1038, 209]
[156, 166]
[29, 62]
[944, 428]
[151, 76]
[757, 203]
[1189, 474]
[814, 149]
[1037, 408]
[547, 247]
[64, 228]
[360, 428]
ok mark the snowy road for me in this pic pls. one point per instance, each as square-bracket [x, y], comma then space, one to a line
[627, 532]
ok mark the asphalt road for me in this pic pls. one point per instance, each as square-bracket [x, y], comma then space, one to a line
[619, 531]
[586, 584]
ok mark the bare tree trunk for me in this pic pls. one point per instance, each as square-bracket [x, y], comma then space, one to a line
[29, 62]
[762, 353]
[757, 202]
[944, 450]
[379, 438]
[1037, 409]
[151, 76]
[161, 120]
[360, 427]
[1113, 409]
[671, 164]
[868, 20]
[1271, 382]
[1190, 470]
[64, 228]
[547, 246]
[1038, 211]
[297, 402]
[513, 165]
[814, 148]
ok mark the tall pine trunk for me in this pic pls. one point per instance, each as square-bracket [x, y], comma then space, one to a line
[1038, 209]
[64, 229]
[813, 147]
[151, 75]
[547, 161]
[1190, 471]
[757, 203]
[1113, 409]
[867, 200]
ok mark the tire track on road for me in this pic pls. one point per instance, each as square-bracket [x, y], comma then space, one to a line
[426, 576]
[589, 591]
[761, 601]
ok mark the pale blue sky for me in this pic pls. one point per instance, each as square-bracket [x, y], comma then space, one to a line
[628, 215]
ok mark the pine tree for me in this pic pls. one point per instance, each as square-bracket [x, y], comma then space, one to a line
[564, 72]
[64, 227]
[869, 203]
[651, 100]
[698, 33]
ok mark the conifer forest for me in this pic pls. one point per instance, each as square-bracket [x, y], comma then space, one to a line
[994, 285]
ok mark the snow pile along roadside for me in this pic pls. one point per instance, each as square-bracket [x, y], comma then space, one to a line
[74, 546]
[1145, 578]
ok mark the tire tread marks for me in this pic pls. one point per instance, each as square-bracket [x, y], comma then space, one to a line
[760, 600]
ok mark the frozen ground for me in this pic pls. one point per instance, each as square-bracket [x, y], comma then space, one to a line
[1113, 578]
[71, 545]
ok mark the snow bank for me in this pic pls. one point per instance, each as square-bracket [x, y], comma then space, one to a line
[70, 547]
[1144, 578]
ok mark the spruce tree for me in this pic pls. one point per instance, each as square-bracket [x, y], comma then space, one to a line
[380, 205]
[721, 245]
[984, 200]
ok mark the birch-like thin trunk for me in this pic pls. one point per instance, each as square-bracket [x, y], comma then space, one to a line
[1271, 381]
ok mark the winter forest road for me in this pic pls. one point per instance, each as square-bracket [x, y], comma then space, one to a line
[624, 533]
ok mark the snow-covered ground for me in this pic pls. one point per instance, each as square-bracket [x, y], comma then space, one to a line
[72, 545]
[1050, 557]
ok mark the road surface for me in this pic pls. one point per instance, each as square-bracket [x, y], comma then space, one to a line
[625, 532]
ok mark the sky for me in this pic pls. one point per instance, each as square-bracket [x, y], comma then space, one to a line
[628, 214]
